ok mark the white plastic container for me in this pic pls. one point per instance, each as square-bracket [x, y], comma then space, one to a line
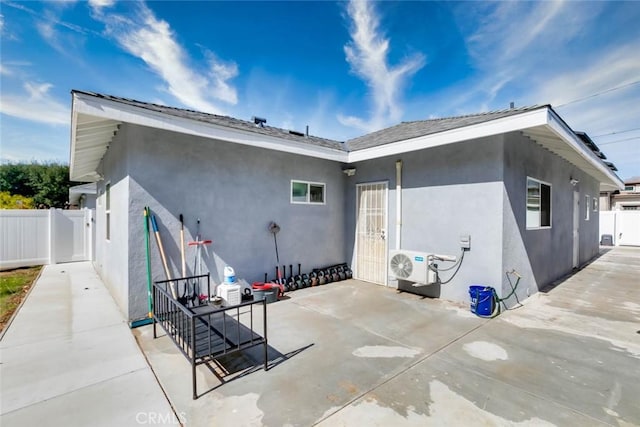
[229, 293]
[229, 275]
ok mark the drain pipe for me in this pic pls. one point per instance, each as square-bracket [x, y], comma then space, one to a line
[398, 203]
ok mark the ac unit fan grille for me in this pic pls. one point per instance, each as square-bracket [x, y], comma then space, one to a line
[401, 266]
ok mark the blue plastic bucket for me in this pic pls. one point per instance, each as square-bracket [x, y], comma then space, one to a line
[481, 300]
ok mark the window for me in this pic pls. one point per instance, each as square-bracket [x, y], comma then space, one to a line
[538, 204]
[307, 192]
[629, 188]
[107, 210]
[587, 208]
[594, 202]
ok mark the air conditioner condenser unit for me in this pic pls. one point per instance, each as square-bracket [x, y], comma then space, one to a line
[412, 266]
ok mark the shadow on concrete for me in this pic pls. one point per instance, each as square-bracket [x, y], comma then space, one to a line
[426, 291]
[238, 365]
[551, 286]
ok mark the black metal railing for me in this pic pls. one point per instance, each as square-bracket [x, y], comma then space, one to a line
[203, 332]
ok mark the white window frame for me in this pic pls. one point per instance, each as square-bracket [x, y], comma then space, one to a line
[107, 210]
[538, 227]
[587, 207]
[594, 203]
[308, 198]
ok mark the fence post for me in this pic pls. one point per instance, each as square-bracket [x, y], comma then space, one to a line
[88, 234]
[52, 236]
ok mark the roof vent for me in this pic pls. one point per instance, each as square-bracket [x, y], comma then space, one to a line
[296, 133]
[259, 121]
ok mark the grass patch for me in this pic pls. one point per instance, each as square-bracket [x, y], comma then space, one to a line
[14, 285]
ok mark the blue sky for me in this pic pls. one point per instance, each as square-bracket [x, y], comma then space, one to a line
[343, 68]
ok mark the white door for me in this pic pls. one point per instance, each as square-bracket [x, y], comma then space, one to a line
[576, 229]
[371, 232]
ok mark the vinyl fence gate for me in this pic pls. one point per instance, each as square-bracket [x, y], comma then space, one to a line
[37, 237]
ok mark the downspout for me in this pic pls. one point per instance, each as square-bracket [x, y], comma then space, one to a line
[398, 203]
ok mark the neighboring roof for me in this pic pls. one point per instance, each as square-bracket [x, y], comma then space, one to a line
[77, 191]
[96, 119]
[632, 180]
[408, 130]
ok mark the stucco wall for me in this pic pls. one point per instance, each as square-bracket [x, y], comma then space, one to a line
[475, 188]
[447, 192]
[236, 191]
[112, 256]
[543, 255]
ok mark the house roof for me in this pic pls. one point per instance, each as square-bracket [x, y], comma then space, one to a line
[226, 121]
[96, 119]
[408, 130]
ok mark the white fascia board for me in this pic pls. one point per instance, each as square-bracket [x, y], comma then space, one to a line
[573, 141]
[89, 105]
[480, 130]
[72, 145]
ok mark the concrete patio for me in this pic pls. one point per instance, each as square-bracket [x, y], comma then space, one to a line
[344, 354]
[352, 353]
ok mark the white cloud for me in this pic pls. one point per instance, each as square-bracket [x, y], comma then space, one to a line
[152, 40]
[47, 32]
[508, 29]
[550, 52]
[516, 46]
[5, 32]
[221, 73]
[367, 54]
[615, 68]
[598, 109]
[66, 38]
[99, 4]
[36, 104]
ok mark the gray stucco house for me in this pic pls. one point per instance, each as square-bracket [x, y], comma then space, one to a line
[519, 182]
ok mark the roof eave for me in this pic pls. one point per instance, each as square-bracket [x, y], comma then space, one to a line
[100, 108]
[502, 125]
[96, 112]
[607, 178]
[573, 150]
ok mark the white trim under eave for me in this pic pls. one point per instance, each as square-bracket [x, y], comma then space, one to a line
[108, 109]
[480, 130]
[74, 123]
[558, 126]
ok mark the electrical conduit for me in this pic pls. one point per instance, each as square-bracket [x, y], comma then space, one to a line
[398, 204]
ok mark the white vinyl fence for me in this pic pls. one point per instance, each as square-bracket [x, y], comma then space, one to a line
[36, 237]
[624, 226]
